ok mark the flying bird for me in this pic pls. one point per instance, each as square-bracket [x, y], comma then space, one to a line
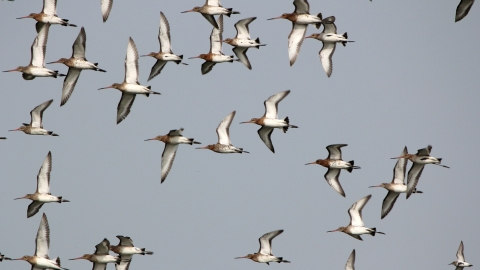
[215, 55]
[264, 254]
[165, 55]
[41, 260]
[126, 250]
[300, 19]
[48, 15]
[242, 41]
[350, 265]
[106, 6]
[329, 38]
[101, 257]
[462, 9]
[76, 64]
[269, 121]
[130, 86]
[36, 68]
[171, 140]
[224, 145]
[36, 127]
[42, 194]
[335, 164]
[397, 185]
[356, 226]
[419, 160]
[210, 8]
[460, 263]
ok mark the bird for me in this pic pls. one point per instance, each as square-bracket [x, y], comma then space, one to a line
[130, 86]
[2, 257]
[264, 254]
[462, 9]
[356, 226]
[165, 55]
[300, 19]
[269, 121]
[36, 127]
[106, 6]
[210, 8]
[126, 250]
[350, 265]
[335, 164]
[397, 185]
[42, 194]
[101, 257]
[48, 15]
[215, 55]
[460, 263]
[329, 38]
[36, 68]
[224, 145]
[171, 140]
[41, 260]
[242, 41]
[419, 160]
[76, 64]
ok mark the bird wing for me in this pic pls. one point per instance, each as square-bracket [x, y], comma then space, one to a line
[124, 106]
[176, 132]
[388, 203]
[125, 241]
[332, 179]
[39, 46]
[242, 28]
[301, 6]
[265, 134]
[103, 247]
[223, 129]
[462, 9]
[99, 266]
[49, 7]
[33, 208]
[329, 26]
[350, 265]
[156, 69]
[271, 104]
[424, 151]
[131, 63]
[106, 6]
[266, 242]
[241, 53]
[326, 54]
[295, 40]
[78, 47]
[69, 84]
[460, 256]
[42, 242]
[216, 37]
[168, 156]
[207, 66]
[164, 35]
[124, 264]
[355, 211]
[413, 176]
[400, 169]
[211, 19]
[36, 114]
[335, 151]
[43, 176]
[215, 3]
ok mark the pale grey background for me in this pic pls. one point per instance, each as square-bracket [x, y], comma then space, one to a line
[411, 78]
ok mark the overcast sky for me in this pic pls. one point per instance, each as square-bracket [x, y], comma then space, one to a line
[411, 78]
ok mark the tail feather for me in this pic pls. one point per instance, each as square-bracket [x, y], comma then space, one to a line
[178, 61]
[229, 12]
[60, 199]
[285, 128]
[374, 231]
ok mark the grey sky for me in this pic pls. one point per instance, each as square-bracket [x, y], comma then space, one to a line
[411, 78]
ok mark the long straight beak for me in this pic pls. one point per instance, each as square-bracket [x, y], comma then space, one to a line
[10, 70]
[194, 57]
[311, 163]
[311, 36]
[58, 61]
[246, 122]
[79, 258]
[105, 87]
[375, 186]
[333, 230]
[149, 139]
[24, 17]
[244, 257]
[17, 129]
[279, 17]
[144, 55]
[191, 10]
[16, 259]
[205, 147]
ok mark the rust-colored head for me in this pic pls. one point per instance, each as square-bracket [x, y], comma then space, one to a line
[195, 9]
[27, 258]
[19, 68]
[202, 56]
[313, 36]
[288, 16]
[60, 61]
[209, 147]
[162, 138]
[340, 229]
[253, 120]
[248, 256]
[152, 54]
[321, 162]
[84, 257]
[228, 41]
[22, 128]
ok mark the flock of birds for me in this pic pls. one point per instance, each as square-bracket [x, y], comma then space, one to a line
[130, 87]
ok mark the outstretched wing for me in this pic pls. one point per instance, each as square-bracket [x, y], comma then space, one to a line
[355, 211]
[266, 242]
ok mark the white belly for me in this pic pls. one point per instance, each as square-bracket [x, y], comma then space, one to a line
[41, 72]
[340, 164]
[359, 230]
[275, 123]
[38, 131]
[216, 10]
[307, 19]
[81, 64]
[136, 89]
[179, 140]
[131, 250]
[267, 258]
[46, 263]
[52, 19]
[426, 160]
[105, 259]
[170, 57]
[220, 58]
[332, 38]
[46, 198]
[399, 188]
[246, 43]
